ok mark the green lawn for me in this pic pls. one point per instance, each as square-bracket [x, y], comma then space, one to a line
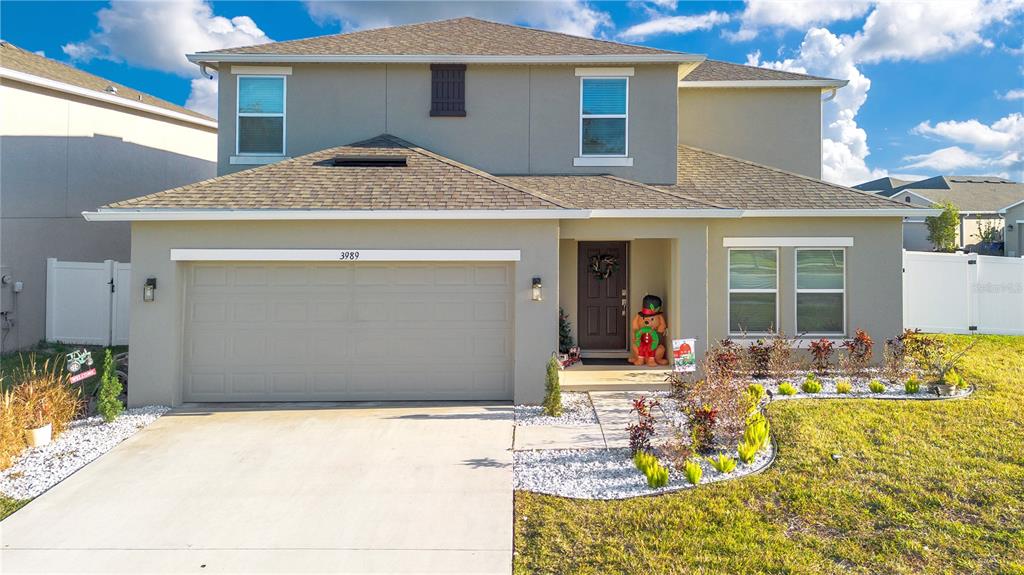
[8, 506]
[921, 487]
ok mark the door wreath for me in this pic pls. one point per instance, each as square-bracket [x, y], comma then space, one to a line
[603, 265]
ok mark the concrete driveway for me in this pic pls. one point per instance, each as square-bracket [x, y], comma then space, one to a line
[371, 488]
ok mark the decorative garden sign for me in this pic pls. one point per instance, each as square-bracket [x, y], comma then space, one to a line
[683, 357]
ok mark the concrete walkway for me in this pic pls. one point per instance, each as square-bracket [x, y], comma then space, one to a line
[329, 488]
[613, 417]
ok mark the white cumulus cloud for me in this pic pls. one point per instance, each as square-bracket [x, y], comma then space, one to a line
[576, 17]
[761, 14]
[157, 35]
[1013, 95]
[945, 160]
[995, 146]
[674, 25]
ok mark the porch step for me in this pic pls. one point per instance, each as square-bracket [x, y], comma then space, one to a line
[613, 378]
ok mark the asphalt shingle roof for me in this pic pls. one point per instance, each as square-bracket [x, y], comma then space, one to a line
[969, 193]
[460, 36]
[608, 193]
[310, 182]
[746, 185]
[718, 71]
[15, 58]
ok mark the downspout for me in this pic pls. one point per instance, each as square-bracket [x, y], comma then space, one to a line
[832, 95]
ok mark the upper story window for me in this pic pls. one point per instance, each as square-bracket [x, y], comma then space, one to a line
[448, 90]
[261, 110]
[603, 116]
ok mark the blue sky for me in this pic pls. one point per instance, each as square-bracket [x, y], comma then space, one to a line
[935, 87]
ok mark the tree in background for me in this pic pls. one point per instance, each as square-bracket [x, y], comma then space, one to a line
[942, 228]
[109, 403]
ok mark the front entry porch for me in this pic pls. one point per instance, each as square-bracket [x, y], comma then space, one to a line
[603, 377]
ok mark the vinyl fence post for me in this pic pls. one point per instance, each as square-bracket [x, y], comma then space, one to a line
[972, 292]
[51, 295]
[111, 271]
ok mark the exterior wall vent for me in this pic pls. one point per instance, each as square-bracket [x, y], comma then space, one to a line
[370, 161]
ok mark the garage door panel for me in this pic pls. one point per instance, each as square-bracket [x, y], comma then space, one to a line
[348, 331]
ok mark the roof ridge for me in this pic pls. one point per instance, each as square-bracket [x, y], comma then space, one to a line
[475, 171]
[664, 191]
[520, 27]
[794, 174]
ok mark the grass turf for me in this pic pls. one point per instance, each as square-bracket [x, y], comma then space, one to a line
[8, 506]
[920, 487]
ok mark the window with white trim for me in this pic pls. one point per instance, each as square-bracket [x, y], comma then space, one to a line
[261, 109]
[820, 291]
[753, 290]
[604, 113]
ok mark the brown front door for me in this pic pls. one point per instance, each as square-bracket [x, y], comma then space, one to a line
[602, 313]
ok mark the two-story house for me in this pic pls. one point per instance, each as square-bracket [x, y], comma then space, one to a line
[402, 212]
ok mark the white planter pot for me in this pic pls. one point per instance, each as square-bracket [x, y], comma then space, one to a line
[39, 436]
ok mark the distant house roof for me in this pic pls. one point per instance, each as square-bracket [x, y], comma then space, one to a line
[460, 37]
[886, 187]
[968, 193]
[747, 185]
[20, 60]
[723, 74]
[313, 182]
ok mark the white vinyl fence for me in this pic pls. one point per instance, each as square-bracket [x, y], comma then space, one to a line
[963, 293]
[87, 302]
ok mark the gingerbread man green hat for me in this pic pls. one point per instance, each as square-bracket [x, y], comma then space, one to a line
[651, 305]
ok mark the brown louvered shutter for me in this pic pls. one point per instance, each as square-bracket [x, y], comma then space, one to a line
[448, 90]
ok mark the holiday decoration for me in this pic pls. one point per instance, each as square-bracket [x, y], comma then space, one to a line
[603, 265]
[649, 334]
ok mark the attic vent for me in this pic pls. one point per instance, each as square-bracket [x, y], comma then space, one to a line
[370, 161]
[111, 89]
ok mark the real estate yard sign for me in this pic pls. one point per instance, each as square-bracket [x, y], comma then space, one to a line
[683, 357]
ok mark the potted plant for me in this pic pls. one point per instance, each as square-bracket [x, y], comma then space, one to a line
[941, 368]
[39, 430]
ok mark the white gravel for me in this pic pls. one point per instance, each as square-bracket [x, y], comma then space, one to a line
[40, 468]
[859, 390]
[576, 410]
[608, 473]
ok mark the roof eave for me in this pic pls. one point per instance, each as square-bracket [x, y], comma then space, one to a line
[841, 213]
[823, 84]
[212, 58]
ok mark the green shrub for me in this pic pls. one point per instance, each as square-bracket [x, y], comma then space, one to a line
[755, 394]
[955, 379]
[108, 403]
[786, 388]
[876, 386]
[811, 384]
[656, 473]
[657, 477]
[644, 461]
[723, 463]
[757, 431]
[843, 386]
[913, 385]
[747, 452]
[552, 390]
[693, 471]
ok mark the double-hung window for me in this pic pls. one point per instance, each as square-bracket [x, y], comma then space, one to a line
[261, 110]
[753, 290]
[604, 112]
[820, 291]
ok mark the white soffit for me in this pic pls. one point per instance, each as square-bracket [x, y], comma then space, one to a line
[798, 242]
[342, 255]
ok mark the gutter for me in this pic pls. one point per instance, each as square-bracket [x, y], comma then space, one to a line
[445, 58]
[825, 84]
[103, 97]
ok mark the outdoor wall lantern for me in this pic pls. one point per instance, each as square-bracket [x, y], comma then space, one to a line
[536, 290]
[149, 289]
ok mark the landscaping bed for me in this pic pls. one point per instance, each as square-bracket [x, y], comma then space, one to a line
[576, 410]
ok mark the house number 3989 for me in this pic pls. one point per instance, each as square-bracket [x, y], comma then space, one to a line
[349, 256]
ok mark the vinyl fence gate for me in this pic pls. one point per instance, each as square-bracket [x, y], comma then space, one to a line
[87, 302]
[963, 293]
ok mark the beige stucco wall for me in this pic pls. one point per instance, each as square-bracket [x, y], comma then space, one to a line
[62, 155]
[776, 127]
[156, 327]
[519, 119]
[1014, 238]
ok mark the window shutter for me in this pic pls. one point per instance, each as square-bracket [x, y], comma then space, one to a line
[448, 90]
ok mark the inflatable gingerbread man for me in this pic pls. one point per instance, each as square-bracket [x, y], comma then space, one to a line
[649, 334]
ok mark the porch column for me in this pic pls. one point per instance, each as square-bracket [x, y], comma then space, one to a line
[689, 313]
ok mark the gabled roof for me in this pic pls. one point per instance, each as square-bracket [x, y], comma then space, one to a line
[604, 192]
[968, 193]
[20, 60]
[746, 185]
[312, 182]
[459, 37]
[886, 187]
[715, 73]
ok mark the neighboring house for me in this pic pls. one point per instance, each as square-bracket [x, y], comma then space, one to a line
[981, 200]
[433, 193]
[72, 141]
[1013, 235]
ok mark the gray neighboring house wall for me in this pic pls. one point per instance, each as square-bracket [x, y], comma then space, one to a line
[1013, 234]
[69, 145]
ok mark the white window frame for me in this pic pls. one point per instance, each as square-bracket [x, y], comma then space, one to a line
[283, 115]
[729, 290]
[797, 291]
[625, 152]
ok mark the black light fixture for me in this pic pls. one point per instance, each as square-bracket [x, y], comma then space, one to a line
[149, 290]
[536, 289]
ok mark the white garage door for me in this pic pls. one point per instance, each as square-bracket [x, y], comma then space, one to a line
[348, 331]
